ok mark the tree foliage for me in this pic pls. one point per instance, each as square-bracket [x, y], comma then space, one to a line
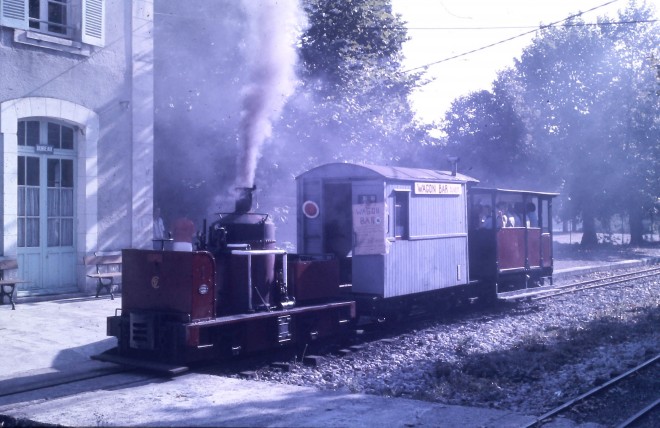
[486, 134]
[352, 104]
[352, 101]
[581, 110]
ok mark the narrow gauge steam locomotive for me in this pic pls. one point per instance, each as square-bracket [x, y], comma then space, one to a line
[373, 241]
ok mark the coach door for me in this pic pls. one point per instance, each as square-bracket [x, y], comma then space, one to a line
[46, 207]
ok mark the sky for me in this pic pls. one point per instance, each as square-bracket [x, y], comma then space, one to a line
[440, 29]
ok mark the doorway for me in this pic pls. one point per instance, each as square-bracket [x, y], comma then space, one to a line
[46, 211]
[338, 226]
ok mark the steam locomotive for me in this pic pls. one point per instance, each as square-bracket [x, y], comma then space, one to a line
[373, 242]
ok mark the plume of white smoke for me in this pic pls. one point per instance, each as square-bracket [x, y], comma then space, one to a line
[271, 40]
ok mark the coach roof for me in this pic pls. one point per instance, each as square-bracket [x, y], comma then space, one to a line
[352, 170]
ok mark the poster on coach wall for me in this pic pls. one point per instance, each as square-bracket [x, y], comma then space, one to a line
[369, 228]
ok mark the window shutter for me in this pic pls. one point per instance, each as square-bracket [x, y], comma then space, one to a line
[14, 13]
[93, 18]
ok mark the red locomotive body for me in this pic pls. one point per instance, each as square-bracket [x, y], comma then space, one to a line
[230, 299]
[169, 281]
[169, 306]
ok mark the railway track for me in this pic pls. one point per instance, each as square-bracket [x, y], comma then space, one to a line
[39, 388]
[558, 290]
[387, 332]
[604, 404]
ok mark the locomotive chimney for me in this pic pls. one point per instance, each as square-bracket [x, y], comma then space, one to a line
[244, 200]
[453, 160]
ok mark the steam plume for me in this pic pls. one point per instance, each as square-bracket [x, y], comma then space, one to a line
[273, 27]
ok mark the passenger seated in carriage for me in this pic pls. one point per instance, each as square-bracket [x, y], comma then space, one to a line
[512, 219]
[532, 216]
[500, 216]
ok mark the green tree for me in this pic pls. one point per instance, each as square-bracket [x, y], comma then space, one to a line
[353, 101]
[578, 110]
[634, 102]
[568, 78]
[485, 132]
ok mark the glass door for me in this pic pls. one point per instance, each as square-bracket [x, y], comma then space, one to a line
[46, 208]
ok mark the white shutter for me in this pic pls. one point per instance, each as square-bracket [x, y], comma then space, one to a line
[14, 13]
[93, 22]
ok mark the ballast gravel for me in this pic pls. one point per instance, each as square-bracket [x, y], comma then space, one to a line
[525, 357]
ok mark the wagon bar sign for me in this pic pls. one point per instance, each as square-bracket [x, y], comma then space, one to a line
[369, 229]
[438, 189]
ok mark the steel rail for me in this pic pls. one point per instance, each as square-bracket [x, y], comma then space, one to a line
[61, 379]
[597, 283]
[622, 275]
[591, 393]
[639, 415]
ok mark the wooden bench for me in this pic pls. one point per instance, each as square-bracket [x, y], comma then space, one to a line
[108, 268]
[8, 285]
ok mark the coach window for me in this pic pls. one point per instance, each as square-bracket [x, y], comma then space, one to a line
[401, 221]
[544, 215]
[532, 209]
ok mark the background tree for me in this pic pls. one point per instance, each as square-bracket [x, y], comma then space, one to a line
[484, 130]
[565, 78]
[579, 111]
[634, 106]
[352, 102]
[579, 102]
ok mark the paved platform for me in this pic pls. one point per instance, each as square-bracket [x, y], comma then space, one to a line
[42, 340]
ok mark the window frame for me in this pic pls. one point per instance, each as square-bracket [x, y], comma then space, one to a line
[42, 22]
[401, 214]
[44, 136]
[85, 24]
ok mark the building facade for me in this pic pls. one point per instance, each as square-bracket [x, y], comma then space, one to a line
[76, 136]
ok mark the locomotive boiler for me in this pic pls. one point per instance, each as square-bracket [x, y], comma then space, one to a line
[372, 241]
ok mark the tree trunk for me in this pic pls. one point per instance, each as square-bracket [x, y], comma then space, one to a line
[588, 229]
[636, 216]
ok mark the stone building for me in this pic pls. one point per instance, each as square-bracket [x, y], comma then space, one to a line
[76, 135]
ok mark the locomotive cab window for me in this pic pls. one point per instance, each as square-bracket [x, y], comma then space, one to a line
[401, 218]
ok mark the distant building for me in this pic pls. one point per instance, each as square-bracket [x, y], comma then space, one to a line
[76, 135]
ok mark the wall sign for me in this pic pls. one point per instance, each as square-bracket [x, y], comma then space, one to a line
[438, 189]
[369, 228]
[44, 149]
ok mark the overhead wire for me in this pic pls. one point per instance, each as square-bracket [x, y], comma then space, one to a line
[536, 27]
[508, 39]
